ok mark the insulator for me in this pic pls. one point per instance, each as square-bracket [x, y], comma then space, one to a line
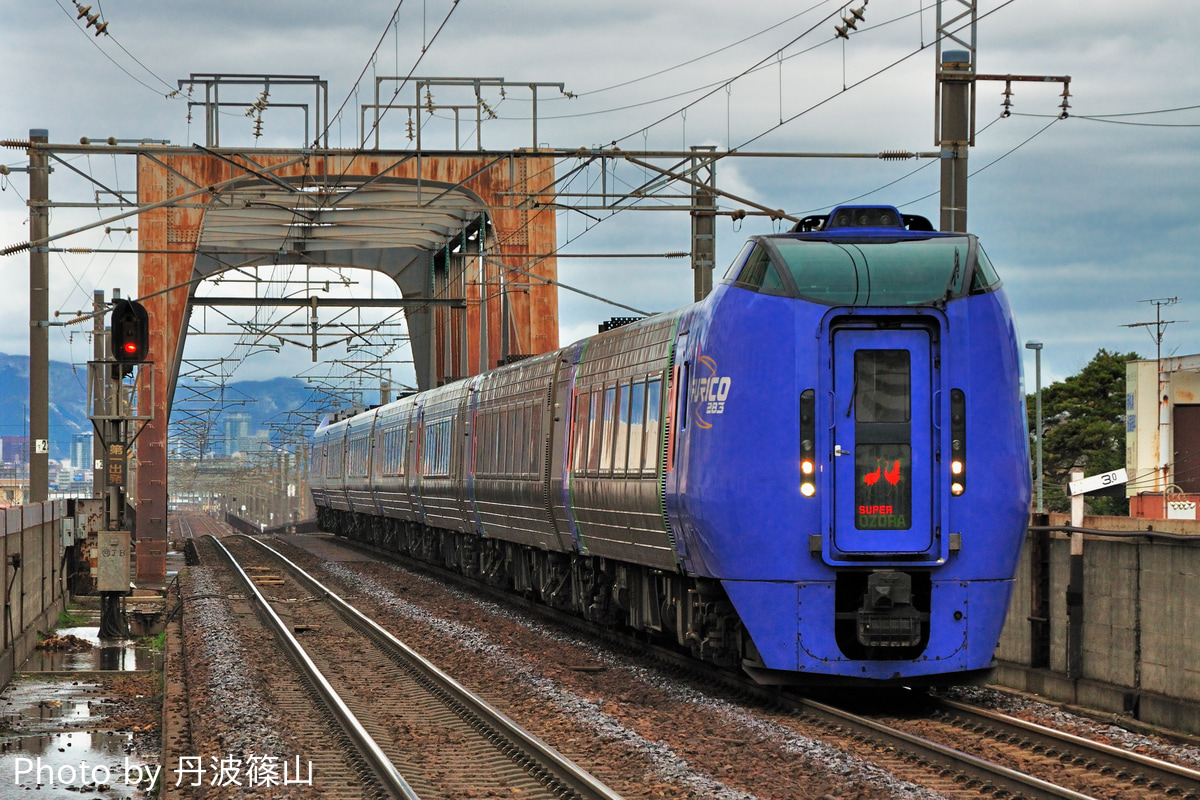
[16, 144]
[102, 28]
[92, 20]
[895, 155]
[841, 32]
[850, 23]
[858, 12]
[16, 248]
[83, 10]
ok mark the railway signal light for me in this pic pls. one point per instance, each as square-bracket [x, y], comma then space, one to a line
[130, 332]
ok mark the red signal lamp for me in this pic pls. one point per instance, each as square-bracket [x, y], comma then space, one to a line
[130, 332]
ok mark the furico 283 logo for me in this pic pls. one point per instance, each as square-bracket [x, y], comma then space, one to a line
[710, 391]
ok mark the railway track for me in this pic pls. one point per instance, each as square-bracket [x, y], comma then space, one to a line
[422, 734]
[1130, 772]
[955, 749]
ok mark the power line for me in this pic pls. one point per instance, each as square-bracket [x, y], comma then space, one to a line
[370, 60]
[990, 163]
[96, 44]
[691, 61]
[1095, 118]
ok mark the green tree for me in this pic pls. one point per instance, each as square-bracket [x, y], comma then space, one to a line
[1083, 426]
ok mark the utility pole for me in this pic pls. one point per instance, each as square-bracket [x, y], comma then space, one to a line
[1162, 477]
[704, 221]
[99, 345]
[955, 76]
[954, 103]
[39, 319]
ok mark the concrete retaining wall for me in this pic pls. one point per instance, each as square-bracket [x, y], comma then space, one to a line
[1141, 627]
[37, 589]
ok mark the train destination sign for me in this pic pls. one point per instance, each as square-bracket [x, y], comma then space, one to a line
[1097, 482]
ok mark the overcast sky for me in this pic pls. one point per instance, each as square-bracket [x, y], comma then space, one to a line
[1083, 217]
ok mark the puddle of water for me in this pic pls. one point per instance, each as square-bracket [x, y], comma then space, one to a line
[123, 655]
[55, 742]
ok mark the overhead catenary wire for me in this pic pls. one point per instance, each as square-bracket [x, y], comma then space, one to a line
[95, 43]
[392, 22]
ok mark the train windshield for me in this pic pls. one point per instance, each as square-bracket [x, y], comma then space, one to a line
[892, 273]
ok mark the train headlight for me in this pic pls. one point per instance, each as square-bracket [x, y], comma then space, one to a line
[958, 441]
[808, 439]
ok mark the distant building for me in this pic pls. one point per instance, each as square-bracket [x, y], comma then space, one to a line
[15, 449]
[81, 451]
[237, 436]
[12, 491]
[1162, 437]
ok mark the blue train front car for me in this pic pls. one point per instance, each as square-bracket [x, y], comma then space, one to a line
[853, 465]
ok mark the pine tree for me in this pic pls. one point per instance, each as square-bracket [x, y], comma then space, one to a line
[1083, 427]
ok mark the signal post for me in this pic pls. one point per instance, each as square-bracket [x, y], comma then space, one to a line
[114, 413]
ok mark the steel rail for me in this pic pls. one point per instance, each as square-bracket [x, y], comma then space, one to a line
[975, 768]
[1154, 770]
[389, 777]
[980, 769]
[561, 768]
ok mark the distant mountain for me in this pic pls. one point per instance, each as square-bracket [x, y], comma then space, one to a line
[263, 402]
[251, 408]
[68, 402]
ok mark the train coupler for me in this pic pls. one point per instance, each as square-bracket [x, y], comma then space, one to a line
[887, 617]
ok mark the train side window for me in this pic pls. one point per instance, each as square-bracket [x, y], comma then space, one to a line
[493, 452]
[621, 445]
[985, 276]
[735, 267]
[637, 425]
[333, 466]
[436, 456]
[606, 442]
[653, 430]
[488, 435]
[504, 465]
[593, 462]
[760, 274]
[392, 447]
[535, 439]
[520, 441]
[580, 421]
[480, 445]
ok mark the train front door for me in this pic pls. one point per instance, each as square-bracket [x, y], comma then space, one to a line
[883, 442]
